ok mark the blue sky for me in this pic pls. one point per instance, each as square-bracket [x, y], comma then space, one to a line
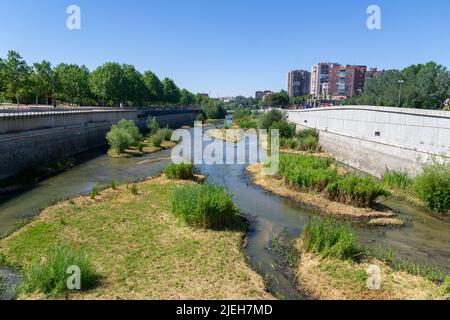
[227, 47]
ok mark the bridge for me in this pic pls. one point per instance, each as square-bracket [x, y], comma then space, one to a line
[376, 139]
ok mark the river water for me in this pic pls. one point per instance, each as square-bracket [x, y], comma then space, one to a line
[425, 239]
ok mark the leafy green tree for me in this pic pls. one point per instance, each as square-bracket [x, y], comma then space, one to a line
[187, 98]
[108, 83]
[42, 80]
[72, 83]
[214, 110]
[267, 119]
[172, 93]
[134, 86]
[154, 86]
[16, 75]
[278, 100]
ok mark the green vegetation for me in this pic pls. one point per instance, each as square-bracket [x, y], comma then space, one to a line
[111, 84]
[94, 193]
[304, 140]
[48, 274]
[425, 86]
[330, 239]
[152, 125]
[123, 135]
[204, 206]
[310, 173]
[134, 190]
[156, 140]
[214, 110]
[397, 180]
[355, 190]
[433, 187]
[181, 171]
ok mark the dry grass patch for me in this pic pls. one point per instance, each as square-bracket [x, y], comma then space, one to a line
[332, 279]
[140, 250]
[318, 201]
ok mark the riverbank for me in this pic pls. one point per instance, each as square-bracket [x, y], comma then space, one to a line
[232, 136]
[138, 248]
[147, 148]
[333, 279]
[318, 202]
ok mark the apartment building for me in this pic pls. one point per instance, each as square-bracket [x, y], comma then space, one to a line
[298, 83]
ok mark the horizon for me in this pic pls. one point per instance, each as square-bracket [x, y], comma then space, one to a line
[226, 48]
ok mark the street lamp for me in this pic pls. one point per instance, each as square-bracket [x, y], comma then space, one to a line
[400, 83]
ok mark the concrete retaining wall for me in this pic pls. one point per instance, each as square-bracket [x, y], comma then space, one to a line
[376, 139]
[72, 134]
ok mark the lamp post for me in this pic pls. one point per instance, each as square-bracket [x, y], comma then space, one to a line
[400, 83]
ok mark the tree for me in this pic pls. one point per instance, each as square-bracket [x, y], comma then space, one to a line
[16, 75]
[119, 139]
[152, 125]
[214, 110]
[187, 98]
[72, 83]
[134, 86]
[278, 100]
[130, 127]
[42, 80]
[172, 93]
[154, 86]
[107, 83]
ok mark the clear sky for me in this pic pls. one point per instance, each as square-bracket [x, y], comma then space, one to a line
[227, 47]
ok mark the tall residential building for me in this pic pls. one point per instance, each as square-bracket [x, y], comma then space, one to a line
[298, 83]
[346, 81]
[320, 77]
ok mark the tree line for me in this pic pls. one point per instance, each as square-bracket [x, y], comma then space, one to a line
[111, 84]
[422, 86]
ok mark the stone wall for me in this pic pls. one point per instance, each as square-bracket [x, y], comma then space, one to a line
[62, 136]
[376, 139]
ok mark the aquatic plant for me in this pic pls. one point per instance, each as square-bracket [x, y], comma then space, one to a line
[203, 206]
[181, 171]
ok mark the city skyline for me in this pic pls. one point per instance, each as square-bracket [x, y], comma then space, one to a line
[237, 54]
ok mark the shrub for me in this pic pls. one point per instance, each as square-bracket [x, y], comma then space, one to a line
[130, 127]
[247, 123]
[179, 171]
[152, 125]
[309, 143]
[267, 119]
[157, 140]
[308, 133]
[433, 187]
[94, 193]
[354, 190]
[200, 117]
[134, 190]
[203, 206]
[119, 139]
[330, 238]
[50, 275]
[166, 134]
[286, 129]
[397, 180]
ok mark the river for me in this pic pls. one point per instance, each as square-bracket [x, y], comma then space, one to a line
[425, 239]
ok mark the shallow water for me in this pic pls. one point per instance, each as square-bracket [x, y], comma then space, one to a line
[426, 238]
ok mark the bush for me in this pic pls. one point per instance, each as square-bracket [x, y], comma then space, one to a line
[119, 139]
[286, 129]
[267, 119]
[134, 190]
[166, 134]
[433, 187]
[130, 127]
[152, 125]
[203, 206]
[308, 133]
[156, 140]
[330, 238]
[354, 190]
[50, 276]
[247, 123]
[397, 180]
[179, 171]
[309, 143]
